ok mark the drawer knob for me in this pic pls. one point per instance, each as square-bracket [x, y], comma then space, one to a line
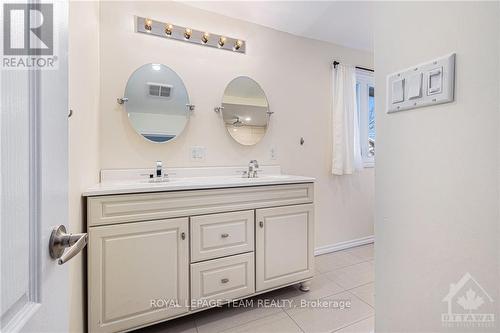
[224, 235]
[224, 280]
[183, 235]
[261, 224]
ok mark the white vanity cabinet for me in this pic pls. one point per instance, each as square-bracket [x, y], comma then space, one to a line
[150, 251]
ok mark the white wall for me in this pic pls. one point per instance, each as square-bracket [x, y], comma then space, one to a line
[437, 212]
[83, 136]
[295, 74]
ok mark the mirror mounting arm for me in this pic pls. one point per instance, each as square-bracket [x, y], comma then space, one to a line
[122, 100]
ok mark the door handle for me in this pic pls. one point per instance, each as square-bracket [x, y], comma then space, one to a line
[60, 240]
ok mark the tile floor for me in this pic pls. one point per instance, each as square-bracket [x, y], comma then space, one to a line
[340, 276]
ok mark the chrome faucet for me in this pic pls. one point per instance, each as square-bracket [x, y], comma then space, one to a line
[160, 175]
[253, 167]
[159, 169]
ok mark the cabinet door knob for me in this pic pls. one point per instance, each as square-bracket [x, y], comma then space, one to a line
[261, 224]
[224, 280]
[183, 235]
[224, 235]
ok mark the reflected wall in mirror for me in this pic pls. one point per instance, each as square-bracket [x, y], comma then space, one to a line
[245, 110]
[157, 102]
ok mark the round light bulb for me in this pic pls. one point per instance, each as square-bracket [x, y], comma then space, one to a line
[205, 37]
[148, 24]
[222, 41]
[168, 29]
[238, 44]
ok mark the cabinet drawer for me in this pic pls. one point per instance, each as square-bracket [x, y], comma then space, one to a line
[219, 235]
[222, 279]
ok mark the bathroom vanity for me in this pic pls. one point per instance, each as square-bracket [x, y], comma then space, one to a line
[163, 249]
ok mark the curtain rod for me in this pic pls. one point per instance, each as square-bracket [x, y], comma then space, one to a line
[335, 63]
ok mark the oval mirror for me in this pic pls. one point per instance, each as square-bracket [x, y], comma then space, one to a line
[245, 110]
[157, 102]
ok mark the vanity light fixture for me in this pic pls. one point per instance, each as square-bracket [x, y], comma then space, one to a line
[204, 38]
[222, 41]
[168, 29]
[189, 35]
[148, 25]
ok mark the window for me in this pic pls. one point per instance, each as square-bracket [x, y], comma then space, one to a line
[365, 93]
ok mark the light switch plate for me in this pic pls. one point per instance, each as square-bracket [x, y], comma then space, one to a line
[426, 84]
[273, 154]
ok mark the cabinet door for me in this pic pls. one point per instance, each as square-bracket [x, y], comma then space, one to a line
[284, 245]
[137, 272]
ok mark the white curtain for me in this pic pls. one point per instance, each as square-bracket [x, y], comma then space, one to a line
[346, 154]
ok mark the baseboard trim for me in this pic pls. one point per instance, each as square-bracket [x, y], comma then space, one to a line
[343, 245]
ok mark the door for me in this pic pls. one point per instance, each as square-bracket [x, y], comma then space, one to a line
[138, 273]
[33, 174]
[284, 245]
